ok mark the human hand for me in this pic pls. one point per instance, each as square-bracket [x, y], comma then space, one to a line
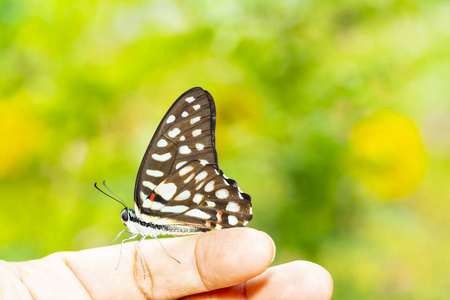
[229, 263]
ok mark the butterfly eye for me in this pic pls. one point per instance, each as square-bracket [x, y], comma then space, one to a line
[124, 215]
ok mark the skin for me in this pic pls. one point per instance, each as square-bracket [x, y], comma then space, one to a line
[224, 264]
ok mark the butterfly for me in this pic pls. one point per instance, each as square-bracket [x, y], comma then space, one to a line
[180, 189]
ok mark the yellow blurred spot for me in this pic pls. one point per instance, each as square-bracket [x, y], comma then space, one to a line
[20, 134]
[387, 154]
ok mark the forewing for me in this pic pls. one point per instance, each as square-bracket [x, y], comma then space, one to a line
[198, 195]
[185, 133]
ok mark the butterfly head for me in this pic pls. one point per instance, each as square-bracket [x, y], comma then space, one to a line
[127, 215]
[130, 220]
[124, 215]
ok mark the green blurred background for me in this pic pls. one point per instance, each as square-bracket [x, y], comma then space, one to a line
[333, 115]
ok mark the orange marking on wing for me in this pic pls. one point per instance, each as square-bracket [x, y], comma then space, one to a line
[219, 217]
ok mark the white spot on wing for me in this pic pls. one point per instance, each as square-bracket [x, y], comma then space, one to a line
[147, 203]
[148, 184]
[136, 209]
[154, 173]
[174, 132]
[182, 138]
[180, 164]
[186, 170]
[185, 150]
[203, 162]
[163, 221]
[152, 204]
[142, 196]
[199, 146]
[170, 119]
[233, 207]
[196, 106]
[197, 198]
[195, 120]
[189, 178]
[190, 99]
[197, 213]
[167, 190]
[162, 143]
[218, 226]
[183, 195]
[196, 132]
[232, 220]
[156, 205]
[184, 114]
[222, 194]
[202, 175]
[146, 218]
[174, 209]
[162, 157]
[209, 186]
[245, 223]
[211, 204]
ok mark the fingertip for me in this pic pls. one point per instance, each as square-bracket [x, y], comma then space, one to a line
[229, 257]
[316, 277]
[269, 240]
[299, 279]
[261, 245]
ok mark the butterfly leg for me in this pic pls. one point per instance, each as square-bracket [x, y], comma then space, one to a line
[137, 251]
[121, 246]
[120, 233]
[166, 250]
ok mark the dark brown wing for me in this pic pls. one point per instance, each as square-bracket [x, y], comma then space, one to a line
[186, 133]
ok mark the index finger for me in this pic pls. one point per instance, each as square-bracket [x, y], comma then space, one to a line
[208, 261]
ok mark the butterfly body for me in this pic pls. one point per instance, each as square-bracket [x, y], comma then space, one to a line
[136, 226]
[179, 188]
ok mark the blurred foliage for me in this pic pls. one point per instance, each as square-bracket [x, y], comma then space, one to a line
[333, 115]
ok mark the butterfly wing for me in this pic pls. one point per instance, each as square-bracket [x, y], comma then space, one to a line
[185, 133]
[201, 196]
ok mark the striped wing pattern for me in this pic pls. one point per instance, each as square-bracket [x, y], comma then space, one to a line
[179, 181]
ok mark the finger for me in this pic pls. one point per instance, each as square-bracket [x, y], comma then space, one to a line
[47, 278]
[208, 261]
[296, 280]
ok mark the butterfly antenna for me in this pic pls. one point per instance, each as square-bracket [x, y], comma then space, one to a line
[103, 192]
